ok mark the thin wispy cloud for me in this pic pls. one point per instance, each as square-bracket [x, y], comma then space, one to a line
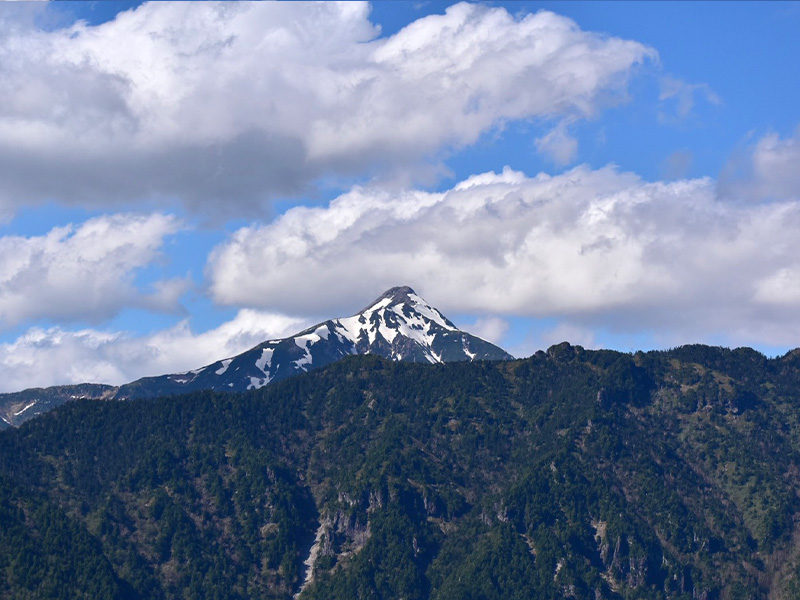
[679, 98]
[558, 145]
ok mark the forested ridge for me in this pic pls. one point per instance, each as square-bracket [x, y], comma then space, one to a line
[574, 473]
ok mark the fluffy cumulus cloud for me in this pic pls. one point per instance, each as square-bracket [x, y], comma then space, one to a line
[85, 272]
[597, 248]
[55, 356]
[225, 105]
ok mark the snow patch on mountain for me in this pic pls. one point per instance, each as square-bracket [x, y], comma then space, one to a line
[225, 364]
[304, 341]
[19, 412]
[323, 331]
[264, 362]
[465, 346]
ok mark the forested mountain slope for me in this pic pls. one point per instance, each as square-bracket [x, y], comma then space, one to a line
[571, 474]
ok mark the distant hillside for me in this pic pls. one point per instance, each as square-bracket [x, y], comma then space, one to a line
[571, 474]
[18, 407]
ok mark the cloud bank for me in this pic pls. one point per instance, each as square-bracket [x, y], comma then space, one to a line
[588, 250]
[597, 248]
[226, 105]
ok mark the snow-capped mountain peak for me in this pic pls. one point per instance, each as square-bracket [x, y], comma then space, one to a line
[398, 312]
[398, 325]
[403, 298]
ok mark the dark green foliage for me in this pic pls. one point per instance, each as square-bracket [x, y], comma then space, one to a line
[499, 566]
[47, 555]
[571, 474]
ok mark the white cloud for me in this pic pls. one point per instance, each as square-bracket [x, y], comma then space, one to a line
[676, 165]
[227, 104]
[85, 272]
[679, 99]
[558, 145]
[776, 166]
[597, 247]
[45, 357]
[767, 169]
[492, 329]
[780, 288]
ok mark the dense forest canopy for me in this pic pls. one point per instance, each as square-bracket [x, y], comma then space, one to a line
[574, 473]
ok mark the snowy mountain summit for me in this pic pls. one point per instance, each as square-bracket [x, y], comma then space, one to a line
[399, 325]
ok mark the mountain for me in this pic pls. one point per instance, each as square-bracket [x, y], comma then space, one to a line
[591, 475]
[18, 407]
[399, 325]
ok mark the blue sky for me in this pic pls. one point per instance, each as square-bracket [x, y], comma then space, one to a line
[181, 181]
